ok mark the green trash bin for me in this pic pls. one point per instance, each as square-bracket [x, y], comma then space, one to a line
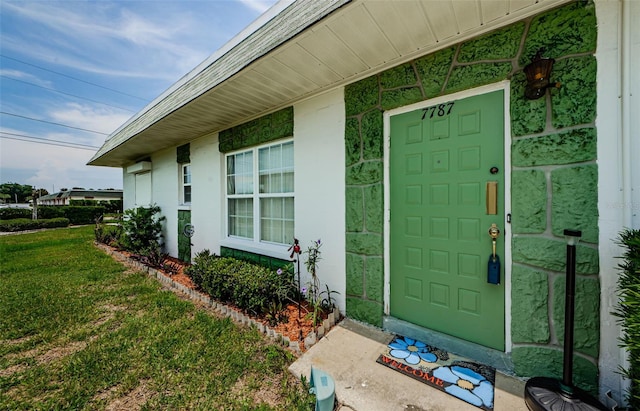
[324, 388]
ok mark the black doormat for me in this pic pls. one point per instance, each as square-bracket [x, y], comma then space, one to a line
[455, 375]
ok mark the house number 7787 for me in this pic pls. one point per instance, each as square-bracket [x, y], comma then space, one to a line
[440, 110]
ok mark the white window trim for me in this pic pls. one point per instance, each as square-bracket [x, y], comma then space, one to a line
[254, 245]
[182, 203]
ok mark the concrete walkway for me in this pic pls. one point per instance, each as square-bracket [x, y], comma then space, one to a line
[348, 354]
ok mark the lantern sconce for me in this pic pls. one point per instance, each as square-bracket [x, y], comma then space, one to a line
[538, 73]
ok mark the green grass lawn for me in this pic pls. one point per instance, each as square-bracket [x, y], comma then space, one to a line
[80, 331]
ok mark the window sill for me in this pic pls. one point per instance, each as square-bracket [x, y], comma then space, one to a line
[184, 207]
[270, 250]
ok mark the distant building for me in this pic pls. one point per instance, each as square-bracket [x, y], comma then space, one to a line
[64, 196]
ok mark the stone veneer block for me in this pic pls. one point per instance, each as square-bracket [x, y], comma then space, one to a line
[529, 308]
[572, 146]
[366, 311]
[366, 172]
[575, 102]
[353, 142]
[499, 44]
[399, 97]
[527, 116]
[587, 313]
[399, 76]
[355, 275]
[372, 126]
[355, 209]
[364, 244]
[264, 129]
[529, 201]
[374, 279]
[551, 254]
[184, 242]
[374, 208]
[433, 70]
[575, 201]
[562, 31]
[547, 362]
[361, 96]
[474, 75]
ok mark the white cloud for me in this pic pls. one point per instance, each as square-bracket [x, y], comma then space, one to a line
[137, 47]
[257, 5]
[21, 75]
[89, 117]
[48, 165]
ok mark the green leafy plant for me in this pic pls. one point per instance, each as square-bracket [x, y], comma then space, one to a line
[12, 213]
[143, 228]
[275, 313]
[250, 287]
[322, 301]
[22, 224]
[107, 234]
[327, 302]
[153, 256]
[629, 310]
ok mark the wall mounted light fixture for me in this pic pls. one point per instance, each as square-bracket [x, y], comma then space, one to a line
[538, 73]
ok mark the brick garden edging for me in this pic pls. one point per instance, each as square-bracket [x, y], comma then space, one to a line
[225, 310]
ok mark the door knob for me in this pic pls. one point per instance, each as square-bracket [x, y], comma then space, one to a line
[493, 267]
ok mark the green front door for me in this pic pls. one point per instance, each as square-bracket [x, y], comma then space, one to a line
[442, 161]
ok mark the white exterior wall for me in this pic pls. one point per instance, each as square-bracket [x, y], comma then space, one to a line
[207, 195]
[319, 183]
[319, 191]
[128, 190]
[619, 171]
[164, 180]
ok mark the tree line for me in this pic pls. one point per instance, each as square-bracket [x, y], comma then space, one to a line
[19, 193]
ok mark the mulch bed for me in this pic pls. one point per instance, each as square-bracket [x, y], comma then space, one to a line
[297, 320]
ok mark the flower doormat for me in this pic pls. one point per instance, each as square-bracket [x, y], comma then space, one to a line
[457, 376]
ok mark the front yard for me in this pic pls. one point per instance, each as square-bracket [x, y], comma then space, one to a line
[80, 331]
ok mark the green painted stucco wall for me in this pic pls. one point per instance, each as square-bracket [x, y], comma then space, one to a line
[554, 178]
[263, 260]
[184, 242]
[261, 130]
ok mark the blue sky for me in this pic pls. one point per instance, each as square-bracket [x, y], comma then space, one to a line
[74, 71]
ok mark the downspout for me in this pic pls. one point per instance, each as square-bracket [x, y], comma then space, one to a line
[624, 38]
[625, 50]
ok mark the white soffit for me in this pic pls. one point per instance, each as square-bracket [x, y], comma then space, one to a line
[299, 49]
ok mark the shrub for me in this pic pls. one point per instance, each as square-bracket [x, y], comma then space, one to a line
[153, 256]
[110, 206]
[22, 224]
[629, 311]
[250, 287]
[76, 214]
[54, 222]
[108, 234]
[45, 212]
[13, 213]
[142, 228]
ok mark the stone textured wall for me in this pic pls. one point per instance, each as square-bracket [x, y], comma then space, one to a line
[184, 242]
[261, 130]
[183, 154]
[554, 177]
[263, 260]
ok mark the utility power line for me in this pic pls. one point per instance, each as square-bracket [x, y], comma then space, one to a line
[73, 78]
[50, 142]
[66, 94]
[51, 122]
